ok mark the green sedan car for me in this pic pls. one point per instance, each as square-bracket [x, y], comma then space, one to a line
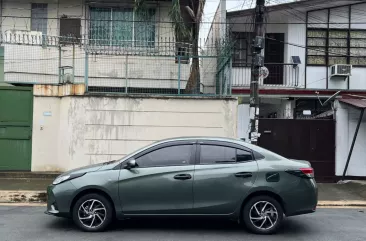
[211, 177]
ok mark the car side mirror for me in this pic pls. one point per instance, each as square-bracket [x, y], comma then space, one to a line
[131, 164]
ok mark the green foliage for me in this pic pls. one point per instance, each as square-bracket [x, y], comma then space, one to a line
[179, 26]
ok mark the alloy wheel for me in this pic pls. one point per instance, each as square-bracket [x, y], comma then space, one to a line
[263, 215]
[92, 213]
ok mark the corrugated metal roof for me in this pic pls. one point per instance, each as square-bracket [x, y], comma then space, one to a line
[356, 102]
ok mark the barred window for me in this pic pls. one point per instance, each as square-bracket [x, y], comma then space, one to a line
[242, 56]
[336, 46]
[122, 27]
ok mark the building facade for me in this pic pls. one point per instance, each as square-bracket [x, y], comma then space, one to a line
[107, 45]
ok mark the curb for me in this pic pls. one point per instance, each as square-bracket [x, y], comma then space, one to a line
[23, 196]
[345, 203]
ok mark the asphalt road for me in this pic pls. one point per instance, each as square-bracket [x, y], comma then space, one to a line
[30, 224]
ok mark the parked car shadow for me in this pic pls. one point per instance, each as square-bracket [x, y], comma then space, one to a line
[292, 226]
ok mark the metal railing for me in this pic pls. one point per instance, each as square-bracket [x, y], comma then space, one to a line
[163, 68]
[280, 75]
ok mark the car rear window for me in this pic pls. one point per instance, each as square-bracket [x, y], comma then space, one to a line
[261, 153]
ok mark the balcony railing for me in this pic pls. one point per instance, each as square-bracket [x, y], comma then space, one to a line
[280, 75]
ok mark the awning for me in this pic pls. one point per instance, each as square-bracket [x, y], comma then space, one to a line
[358, 101]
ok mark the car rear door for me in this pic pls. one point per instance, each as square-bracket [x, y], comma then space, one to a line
[162, 183]
[224, 174]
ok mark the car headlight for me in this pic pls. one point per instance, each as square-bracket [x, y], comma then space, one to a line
[62, 179]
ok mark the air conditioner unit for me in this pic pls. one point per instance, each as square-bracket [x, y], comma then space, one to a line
[340, 70]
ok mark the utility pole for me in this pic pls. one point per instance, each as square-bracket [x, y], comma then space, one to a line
[257, 64]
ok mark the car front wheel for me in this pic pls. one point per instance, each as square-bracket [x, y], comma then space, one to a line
[92, 213]
[263, 215]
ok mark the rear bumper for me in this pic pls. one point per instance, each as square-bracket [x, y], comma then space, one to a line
[303, 199]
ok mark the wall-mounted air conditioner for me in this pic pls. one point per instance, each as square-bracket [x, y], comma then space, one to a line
[340, 70]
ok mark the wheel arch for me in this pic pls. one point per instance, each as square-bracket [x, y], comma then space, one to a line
[262, 193]
[90, 190]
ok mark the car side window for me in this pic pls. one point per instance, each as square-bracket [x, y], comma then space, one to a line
[211, 154]
[167, 156]
[243, 156]
[258, 156]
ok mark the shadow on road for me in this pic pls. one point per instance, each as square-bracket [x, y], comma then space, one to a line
[291, 226]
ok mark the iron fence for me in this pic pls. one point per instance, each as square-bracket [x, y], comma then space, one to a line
[166, 67]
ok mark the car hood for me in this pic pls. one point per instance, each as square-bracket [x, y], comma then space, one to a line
[90, 168]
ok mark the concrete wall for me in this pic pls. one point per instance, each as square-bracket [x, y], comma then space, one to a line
[346, 122]
[70, 132]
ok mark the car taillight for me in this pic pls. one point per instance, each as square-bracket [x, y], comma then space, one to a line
[307, 171]
[302, 172]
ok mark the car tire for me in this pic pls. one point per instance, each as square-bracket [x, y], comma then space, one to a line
[92, 213]
[263, 215]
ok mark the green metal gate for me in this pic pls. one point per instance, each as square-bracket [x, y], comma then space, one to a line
[16, 114]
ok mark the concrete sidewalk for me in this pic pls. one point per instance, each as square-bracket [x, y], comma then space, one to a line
[33, 190]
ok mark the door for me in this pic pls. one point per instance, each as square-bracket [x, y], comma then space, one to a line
[222, 178]
[274, 58]
[16, 105]
[162, 182]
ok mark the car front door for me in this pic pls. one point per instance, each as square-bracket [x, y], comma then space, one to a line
[161, 183]
[223, 176]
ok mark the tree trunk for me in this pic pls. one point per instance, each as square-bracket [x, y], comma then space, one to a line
[193, 84]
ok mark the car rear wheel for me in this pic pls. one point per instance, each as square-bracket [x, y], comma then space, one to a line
[263, 215]
[92, 213]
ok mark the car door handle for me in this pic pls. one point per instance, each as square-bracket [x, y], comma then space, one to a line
[182, 177]
[244, 174]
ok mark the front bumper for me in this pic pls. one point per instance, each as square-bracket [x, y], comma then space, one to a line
[59, 199]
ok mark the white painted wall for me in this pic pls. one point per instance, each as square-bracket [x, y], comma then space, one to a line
[346, 122]
[243, 121]
[316, 77]
[85, 130]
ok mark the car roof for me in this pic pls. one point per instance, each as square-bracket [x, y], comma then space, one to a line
[204, 138]
[209, 138]
[212, 138]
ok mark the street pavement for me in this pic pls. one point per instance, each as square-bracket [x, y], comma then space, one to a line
[30, 224]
